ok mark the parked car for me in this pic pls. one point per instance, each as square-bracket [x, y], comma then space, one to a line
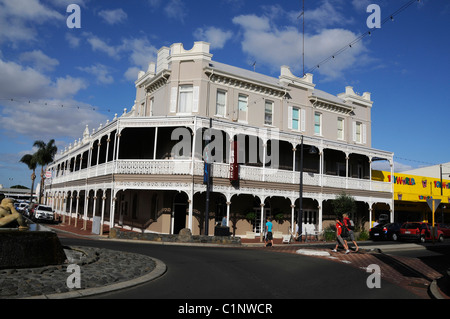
[383, 219]
[43, 212]
[419, 231]
[389, 231]
[22, 207]
[445, 229]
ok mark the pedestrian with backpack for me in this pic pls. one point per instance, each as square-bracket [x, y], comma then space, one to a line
[350, 225]
[340, 231]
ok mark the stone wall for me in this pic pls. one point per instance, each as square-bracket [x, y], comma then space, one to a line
[185, 236]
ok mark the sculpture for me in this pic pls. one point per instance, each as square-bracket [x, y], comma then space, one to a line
[8, 214]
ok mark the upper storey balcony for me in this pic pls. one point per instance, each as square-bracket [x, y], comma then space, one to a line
[137, 148]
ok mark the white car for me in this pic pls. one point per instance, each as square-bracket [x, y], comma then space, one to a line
[43, 212]
[22, 207]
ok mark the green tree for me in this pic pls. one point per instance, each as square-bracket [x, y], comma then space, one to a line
[31, 162]
[344, 204]
[44, 156]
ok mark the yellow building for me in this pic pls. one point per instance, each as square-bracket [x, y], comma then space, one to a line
[411, 193]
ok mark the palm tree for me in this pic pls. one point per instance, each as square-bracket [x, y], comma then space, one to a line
[44, 156]
[31, 162]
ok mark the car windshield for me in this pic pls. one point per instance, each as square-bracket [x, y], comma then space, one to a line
[411, 225]
[45, 208]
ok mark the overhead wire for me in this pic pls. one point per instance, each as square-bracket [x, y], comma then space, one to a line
[54, 104]
[390, 17]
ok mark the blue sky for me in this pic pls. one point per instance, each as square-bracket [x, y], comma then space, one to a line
[55, 80]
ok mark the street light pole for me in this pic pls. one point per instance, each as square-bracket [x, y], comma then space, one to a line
[208, 166]
[300, 197]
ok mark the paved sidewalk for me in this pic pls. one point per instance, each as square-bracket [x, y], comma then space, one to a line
[410, 273]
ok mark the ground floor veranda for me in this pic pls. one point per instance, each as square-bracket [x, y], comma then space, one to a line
[168, 211]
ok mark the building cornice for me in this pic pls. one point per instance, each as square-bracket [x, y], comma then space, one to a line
[244, 83]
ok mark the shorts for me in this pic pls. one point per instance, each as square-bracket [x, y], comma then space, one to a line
[269, 236]
[351, 235]
[339, 240]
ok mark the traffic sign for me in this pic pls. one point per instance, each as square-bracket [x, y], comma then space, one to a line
[433, 204]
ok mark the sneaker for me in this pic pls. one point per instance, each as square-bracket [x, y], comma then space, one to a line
[347, 251]
[334, 250]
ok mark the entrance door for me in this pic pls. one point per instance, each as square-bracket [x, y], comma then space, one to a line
[179, 217]
[179, 212]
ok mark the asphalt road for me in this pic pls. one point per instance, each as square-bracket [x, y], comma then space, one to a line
[245, 274]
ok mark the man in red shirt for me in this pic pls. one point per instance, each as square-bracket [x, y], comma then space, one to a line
[339, 240]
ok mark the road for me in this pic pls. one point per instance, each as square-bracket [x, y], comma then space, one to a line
[241, 273]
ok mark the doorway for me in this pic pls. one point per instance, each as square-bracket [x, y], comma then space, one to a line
[180, 206]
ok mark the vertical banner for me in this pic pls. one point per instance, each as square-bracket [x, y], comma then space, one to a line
[207, 165]
[234, 166]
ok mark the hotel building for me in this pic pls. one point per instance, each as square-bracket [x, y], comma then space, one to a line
[144, 170]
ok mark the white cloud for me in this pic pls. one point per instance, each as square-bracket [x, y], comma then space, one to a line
[68, 86]
[19, 19]
[215, 36]
[176, 10]
[328, 14]
[74, 42]
[361, 5]
[100, 71]
[39, 60]
[113, 16]
[132, 73]
[138, 50]
[41, 108]
[99, 45]
[273, 46]
[18, 81]
[44, 119]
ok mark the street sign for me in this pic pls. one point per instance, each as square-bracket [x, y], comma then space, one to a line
[433, 204]
[48, 174]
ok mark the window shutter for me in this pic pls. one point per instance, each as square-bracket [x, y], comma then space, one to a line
[364, 140]
[354, 131]
[290, 117]
[173, 100]
[195, 99]
[303, 120]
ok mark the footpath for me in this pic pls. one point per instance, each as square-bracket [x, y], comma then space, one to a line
[111, 271]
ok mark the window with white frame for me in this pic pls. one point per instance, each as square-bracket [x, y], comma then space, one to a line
[221, 100]
[317, 123]
[340, 128]
[243, 107]
[186, 99]
[296, 118]
[268, 113]
[359, 132]
[150, 107]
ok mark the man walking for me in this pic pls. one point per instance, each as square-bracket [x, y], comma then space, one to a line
[349, 224]
[339, 240]
[269, 237]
